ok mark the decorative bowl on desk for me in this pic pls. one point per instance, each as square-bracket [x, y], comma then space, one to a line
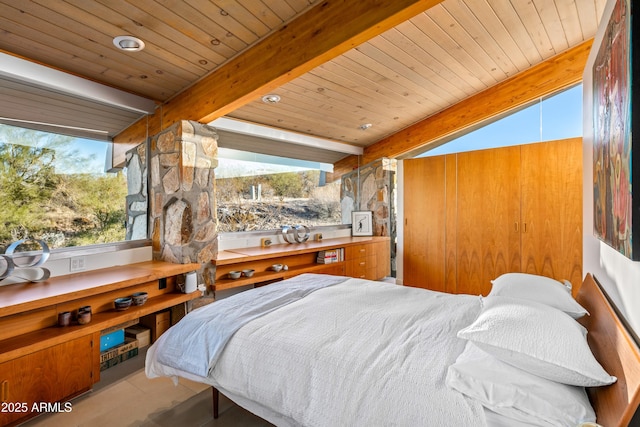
[139, 298]
[122, 303]
[84, 315]
[84, 318]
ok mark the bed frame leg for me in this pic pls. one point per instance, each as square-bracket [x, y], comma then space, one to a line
[216, 399]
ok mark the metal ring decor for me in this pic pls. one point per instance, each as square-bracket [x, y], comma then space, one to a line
[8, 269]
[295, 234]
[31, 270]
[44, 255]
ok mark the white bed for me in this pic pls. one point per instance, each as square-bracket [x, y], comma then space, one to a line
[350, 352]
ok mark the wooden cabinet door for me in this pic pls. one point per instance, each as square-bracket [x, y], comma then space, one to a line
[336, 268]
[424, 223]
[47, 376]
[552, 209]
[488, 217]
[382, 260]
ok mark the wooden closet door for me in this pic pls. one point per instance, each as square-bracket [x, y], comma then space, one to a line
[552, 209]
[424, 223]
[488, 216]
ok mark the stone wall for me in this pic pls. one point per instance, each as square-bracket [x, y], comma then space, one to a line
[372, 187]
[137, 200]
[182, 214]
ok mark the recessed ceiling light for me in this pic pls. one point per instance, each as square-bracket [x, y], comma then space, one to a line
[271, 99]
[128, 43]
[365, 126]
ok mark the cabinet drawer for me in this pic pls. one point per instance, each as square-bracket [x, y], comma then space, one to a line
[364, 268]
[358, 251]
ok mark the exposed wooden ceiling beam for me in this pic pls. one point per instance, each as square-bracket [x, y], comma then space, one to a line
[541, 80]
[324, 32]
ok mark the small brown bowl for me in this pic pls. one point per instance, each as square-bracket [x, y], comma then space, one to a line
[139, 298]
[122, 303]
[64, 318]
[84, 317]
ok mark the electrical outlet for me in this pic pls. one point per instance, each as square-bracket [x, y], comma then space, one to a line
[78, 263]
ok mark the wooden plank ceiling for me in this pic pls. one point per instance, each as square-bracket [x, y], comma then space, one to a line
[417, 68]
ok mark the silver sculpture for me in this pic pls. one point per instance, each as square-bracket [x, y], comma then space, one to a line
[30, 271]
[296, 233]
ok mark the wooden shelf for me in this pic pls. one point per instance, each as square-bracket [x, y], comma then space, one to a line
[300, 258]
[234, 256]
[21, 297]
[34, 341]
[31, 342]
[266, 276]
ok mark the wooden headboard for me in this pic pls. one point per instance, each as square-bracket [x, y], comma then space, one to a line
[617, 352]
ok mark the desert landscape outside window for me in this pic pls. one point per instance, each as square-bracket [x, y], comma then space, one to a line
[54, 188]
[259, 192]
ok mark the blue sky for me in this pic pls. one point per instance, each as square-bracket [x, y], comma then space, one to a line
[558, 117]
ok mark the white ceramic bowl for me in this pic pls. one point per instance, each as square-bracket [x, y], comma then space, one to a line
[235, 274]
[276, 267]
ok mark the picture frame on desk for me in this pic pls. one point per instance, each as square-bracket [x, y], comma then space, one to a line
[362, 223]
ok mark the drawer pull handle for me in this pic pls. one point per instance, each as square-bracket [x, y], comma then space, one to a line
[4, 391]
[363, 263]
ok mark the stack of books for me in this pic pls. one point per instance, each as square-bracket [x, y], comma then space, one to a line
[119, 353]
[329, 256]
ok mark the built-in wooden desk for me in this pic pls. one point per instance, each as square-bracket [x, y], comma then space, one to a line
[366, 257]
[41, 362]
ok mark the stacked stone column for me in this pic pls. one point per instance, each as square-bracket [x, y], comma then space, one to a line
[372, 187]
[182, 214]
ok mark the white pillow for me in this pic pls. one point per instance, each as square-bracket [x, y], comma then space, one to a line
[515, 393]
[537, 288]
[537, 338]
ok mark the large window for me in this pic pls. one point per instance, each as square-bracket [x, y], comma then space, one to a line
[260, 192]
[556, 117]
[54, 188]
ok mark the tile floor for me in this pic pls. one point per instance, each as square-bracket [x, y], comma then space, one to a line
[126, 397]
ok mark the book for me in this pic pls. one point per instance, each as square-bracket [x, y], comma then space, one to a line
[127, 345]
[329, 256]
[119, 359]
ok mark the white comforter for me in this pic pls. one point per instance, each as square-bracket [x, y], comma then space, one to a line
[358, 353]
[194, 346]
